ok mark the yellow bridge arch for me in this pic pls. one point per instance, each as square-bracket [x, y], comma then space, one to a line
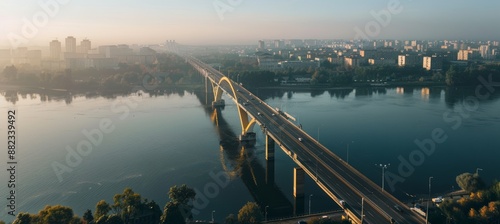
[246, 122]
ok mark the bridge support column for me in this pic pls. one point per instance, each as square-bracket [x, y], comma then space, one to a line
[206, 90]
[269, 148]
[298, 191]
[269, 172]
[269, 160]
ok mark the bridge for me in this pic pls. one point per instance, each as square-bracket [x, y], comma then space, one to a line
[362, 200]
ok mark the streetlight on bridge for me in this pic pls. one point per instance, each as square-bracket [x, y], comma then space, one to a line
[477, 171]
[427, 212]
[265, 209]
[384, 167]
[213, 216]
[310, 203]
[362, 210]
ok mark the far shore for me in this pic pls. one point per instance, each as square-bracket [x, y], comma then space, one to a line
[357, 85]
[16, 87]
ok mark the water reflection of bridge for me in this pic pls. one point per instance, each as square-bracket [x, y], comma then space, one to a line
[240, 161]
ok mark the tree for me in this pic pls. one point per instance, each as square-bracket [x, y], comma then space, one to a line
[114, 219]
[101, 209]
[231, 219]
[154, 209]
[127, 204]
[56, 214]
[319, 76]
[87, 216]
[22, 218]
[182, 194]
[437, 77]
[494, 210]
[172, 214]
[250, 213]
[102, 219]
[179, 202]
[10, 72]
[451, 76]
[473, 213]
[111, 219]
[470, 182]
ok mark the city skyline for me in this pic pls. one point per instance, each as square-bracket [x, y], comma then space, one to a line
[241, 22]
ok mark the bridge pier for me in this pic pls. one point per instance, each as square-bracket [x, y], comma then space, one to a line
[269, 172]
[248, 138]
[219, 103]
[269, 160]
[298, 191]
[269, 148]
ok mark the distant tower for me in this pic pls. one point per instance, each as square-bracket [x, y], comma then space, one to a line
[278, 44]
[485, 51]
[262, 44]
[55, 50]
[85, 46]
[70, 44]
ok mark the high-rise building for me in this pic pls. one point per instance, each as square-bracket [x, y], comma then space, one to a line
[485, 51]
[262, 44]
[433, 63]
[351, 62]
[70, 44]
[85, 46]
[278, 44]
[463, 55]
[368, 53]
[55, 50]
[409, 60]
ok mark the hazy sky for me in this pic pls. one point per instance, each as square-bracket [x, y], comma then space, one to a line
[242, 21]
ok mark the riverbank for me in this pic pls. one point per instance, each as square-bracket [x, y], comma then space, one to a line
[83, 90]
[365, 85]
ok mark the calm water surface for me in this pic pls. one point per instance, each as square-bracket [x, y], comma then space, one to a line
[164, 140]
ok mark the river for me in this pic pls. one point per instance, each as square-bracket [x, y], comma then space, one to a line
[77, 149]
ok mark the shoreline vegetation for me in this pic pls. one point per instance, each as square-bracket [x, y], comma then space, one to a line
[476, 202]
[131, 207]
